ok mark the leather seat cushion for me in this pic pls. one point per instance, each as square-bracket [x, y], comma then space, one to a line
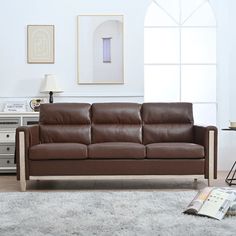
[175, 150]
[58, 151]
[111, 150]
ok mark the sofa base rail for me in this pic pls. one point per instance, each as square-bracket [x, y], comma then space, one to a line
[74, 169]
[114, 177]
[107, 177]
[117, 167]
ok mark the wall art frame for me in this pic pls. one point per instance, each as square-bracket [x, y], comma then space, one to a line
[40, 44]
[100, 49]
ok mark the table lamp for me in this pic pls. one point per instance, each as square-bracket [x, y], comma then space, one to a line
[50, 86]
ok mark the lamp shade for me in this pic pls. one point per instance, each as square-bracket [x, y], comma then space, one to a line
[50, 84]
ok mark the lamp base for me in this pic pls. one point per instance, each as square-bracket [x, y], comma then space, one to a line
[50, 97]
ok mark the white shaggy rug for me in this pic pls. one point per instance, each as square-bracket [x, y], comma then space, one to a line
[105, 213]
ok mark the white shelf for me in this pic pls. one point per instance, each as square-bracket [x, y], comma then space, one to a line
[22, 119]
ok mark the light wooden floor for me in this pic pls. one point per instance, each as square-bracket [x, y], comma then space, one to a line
[8, 183]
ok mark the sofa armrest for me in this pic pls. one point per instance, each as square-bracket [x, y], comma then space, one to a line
[207, 137]
[31, 137]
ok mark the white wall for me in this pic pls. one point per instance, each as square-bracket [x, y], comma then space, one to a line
[20, 80]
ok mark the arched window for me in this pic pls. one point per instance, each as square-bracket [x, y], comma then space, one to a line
[180, 55]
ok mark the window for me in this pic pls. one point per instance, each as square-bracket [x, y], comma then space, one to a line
[180, 55]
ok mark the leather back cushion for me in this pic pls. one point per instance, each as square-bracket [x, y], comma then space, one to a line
[65, 122]
[116, 122]
[167, 122]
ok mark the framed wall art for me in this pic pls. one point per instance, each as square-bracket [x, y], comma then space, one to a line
[100, 49]
[40, 44]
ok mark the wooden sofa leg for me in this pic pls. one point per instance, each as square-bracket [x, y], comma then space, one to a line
[195, 183]
[211, 157]
[209, 183]
[22, 161]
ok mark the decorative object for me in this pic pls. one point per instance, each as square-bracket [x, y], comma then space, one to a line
[50, 86]
[35, 104]
[233, 124]
[40, 44]
[100, 49]
[145, 212]
[15, 107]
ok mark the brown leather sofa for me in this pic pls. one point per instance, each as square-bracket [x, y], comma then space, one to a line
[74, 139]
